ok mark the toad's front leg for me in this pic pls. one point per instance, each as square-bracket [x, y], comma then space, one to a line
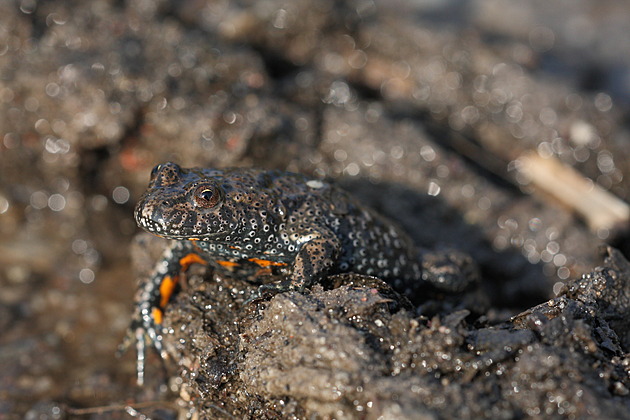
[152, 297]
[314, 261]
[317, 255]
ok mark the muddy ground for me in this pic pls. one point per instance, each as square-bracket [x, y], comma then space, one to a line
[421, 109]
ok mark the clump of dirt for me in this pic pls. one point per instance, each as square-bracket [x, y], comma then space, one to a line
[353, 347]
[420, 109]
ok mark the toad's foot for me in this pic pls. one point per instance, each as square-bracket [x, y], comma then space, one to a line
[144, 331]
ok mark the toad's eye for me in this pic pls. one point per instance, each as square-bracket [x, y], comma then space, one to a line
[206, 196]
[155, 171]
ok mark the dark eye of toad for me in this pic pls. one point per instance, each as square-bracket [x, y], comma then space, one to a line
[155, 170]
[206, 196]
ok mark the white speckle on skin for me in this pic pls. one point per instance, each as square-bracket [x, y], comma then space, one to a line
[314, 183]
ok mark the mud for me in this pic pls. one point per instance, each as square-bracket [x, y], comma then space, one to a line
[418, 108]
[354, 348]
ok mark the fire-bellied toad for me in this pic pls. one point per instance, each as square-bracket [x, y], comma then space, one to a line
[247, 219]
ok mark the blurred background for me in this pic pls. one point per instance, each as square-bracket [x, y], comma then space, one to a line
[482, 125]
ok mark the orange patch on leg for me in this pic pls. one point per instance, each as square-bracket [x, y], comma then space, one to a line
[190, 259]
[167, 287]
[157, 315]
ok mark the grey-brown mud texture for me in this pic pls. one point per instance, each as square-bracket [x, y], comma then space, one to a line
[417, 108]
[355, 349]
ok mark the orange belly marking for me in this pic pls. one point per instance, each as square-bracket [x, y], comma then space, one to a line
[227, 264]
[266, 263]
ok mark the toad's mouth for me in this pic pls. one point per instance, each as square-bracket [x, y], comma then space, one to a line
[155, 221]
[161, 229]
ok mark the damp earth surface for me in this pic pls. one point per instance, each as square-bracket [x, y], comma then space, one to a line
[422, 110]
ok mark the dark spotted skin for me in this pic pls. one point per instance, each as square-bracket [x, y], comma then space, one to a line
[245, 220]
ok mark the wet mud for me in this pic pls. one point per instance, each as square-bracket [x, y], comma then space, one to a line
[422, 110]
